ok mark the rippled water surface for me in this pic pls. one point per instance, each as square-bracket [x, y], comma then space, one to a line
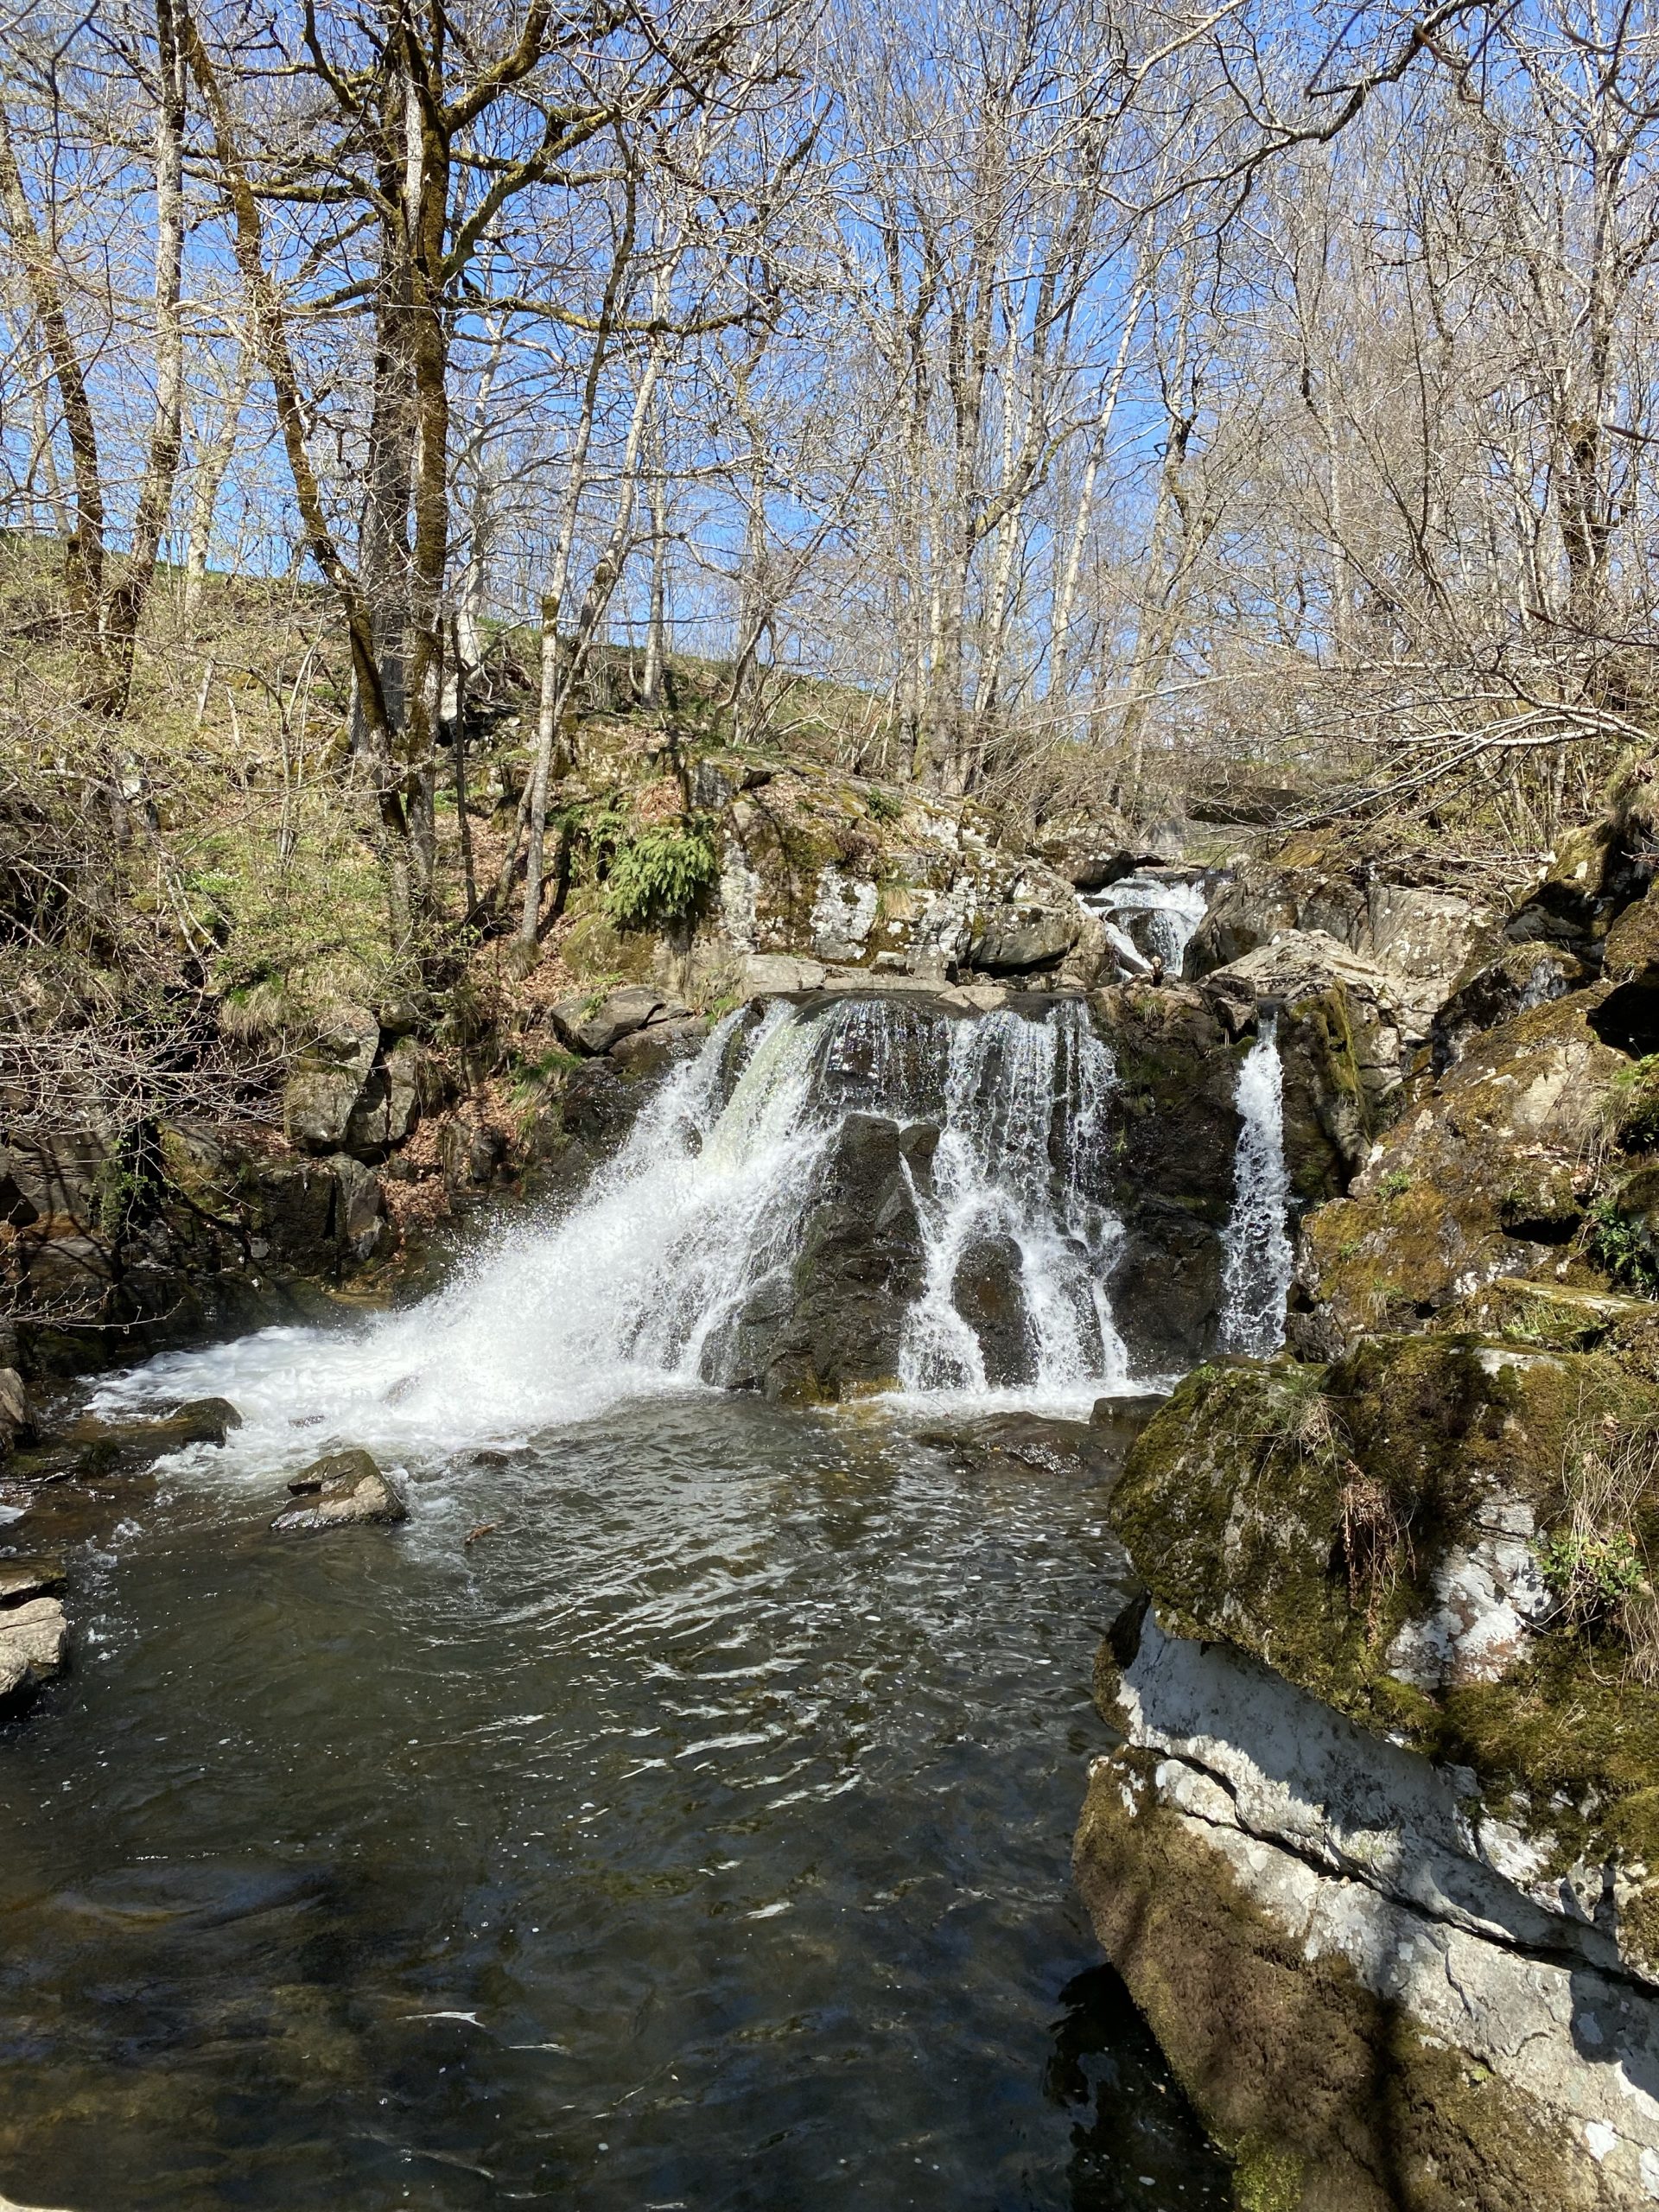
[697, 1835]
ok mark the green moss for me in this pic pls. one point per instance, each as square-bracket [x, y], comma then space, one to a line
[1266, 2177]
[1232, 1504]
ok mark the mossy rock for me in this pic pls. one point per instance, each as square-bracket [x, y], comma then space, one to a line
[1237, 1503]
[1486, 1174]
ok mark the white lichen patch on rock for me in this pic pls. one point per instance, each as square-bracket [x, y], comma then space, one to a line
[1488, 1602]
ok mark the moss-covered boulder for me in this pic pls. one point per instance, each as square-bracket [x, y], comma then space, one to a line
[1377, 1851]
[1488, 1172]
[1441, 1538]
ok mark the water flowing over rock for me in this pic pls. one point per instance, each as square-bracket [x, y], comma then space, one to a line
[838, 1194]
[1257, 1266]
[1150, 916]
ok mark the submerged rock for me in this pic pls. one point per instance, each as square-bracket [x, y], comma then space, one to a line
[1039, 1440]
[344, 1490]
[1121, 1419]
[99, 1446]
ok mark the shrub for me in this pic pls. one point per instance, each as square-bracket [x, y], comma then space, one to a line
[658, 877]
[1593, 1559]
[1621, 1246]
[884, 806]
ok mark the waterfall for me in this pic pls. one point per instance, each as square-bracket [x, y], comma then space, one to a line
[995, 1179]
[636, 1288]
[1255, 1246]
[1169, 911]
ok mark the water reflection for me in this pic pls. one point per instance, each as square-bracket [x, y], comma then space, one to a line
[1136, 2146]
[699, 1838]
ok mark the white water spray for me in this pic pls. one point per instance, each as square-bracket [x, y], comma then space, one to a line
[1172, 911]
[996, 1177]
[1257, 1255]
[634, 1290]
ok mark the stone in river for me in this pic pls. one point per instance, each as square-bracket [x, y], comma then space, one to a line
[344, 1491]
[32, 1640]
[24, 1578]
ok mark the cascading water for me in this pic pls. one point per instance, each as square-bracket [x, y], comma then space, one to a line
[1004, 1171]
[636, 1291]
[1257, 1255]
[1167, 911]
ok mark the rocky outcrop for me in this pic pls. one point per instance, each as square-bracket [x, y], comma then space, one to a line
[346, 1489]
[1343, 1035]
[819, 868]
[177, 1228]
[1488, 1173]
[1364, 2016]
[1412, 919]
[1420, 1852]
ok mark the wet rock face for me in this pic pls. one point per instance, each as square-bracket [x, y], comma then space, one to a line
[987, 1292]
[1174, 1133]
[828, 1319]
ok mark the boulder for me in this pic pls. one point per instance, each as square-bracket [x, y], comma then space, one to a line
[586, 1027]
[827, 1323]
[1121, 1419]
[470, 1152]
[1024, 935]
[359, 1209]
[33, 1637]
[645, 1053]
[1070, 1448]
[97, 1448]
[987, 1291]
[1300, 967]
[1381, 1533]
[389, 1104]
[328, 1078]
[1631, 954]
[344, 1490]
[317, 1215]
[1420, 931]
[17, 1424]
[767, 975]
